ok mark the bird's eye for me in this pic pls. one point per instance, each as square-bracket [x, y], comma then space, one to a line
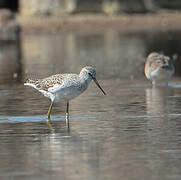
[90, 74]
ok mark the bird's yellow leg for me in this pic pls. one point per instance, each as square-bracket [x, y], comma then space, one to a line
[49, 110]
[67, 115]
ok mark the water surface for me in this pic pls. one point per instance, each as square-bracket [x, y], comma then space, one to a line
[132, 133]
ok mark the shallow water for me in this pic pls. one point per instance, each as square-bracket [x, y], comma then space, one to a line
[132, 133]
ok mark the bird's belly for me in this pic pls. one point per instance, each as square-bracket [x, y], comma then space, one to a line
[161, 74]
[68, 94]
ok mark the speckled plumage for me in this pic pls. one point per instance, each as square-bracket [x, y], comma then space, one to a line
[50, 82]
[158, 68]
[64, 86]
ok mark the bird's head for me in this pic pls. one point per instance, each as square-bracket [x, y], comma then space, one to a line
[91, 72]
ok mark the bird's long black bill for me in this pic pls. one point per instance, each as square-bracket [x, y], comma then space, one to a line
[99, 86]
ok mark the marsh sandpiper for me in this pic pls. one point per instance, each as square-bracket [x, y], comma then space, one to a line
[64, 87]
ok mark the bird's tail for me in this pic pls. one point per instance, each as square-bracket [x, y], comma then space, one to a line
[31, 83]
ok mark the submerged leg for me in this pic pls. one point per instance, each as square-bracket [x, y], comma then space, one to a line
[49, 110]
[50, 125]
[67, 115]
[154, 83]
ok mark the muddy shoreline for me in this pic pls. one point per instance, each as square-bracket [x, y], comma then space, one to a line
[88, 22]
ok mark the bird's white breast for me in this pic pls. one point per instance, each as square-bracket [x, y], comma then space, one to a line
[70, 88]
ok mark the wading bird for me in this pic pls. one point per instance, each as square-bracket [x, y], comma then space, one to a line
[158, 68]
[64, 87]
